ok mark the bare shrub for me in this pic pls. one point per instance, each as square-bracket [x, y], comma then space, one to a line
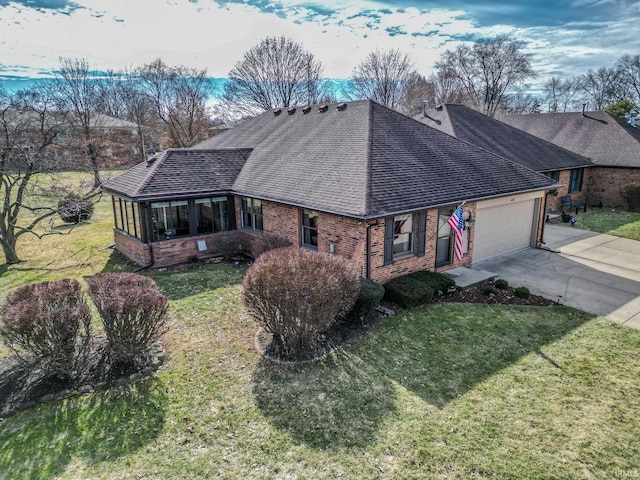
[267, 242]
[296, 294]
[133, 312]
[631, 193]
[48, 325]
[75, 209]
[230, 244]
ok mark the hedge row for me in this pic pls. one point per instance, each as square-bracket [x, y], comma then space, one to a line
[418, 288]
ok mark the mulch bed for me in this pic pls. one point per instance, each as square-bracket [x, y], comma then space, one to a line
[22, 388]
[476, 294]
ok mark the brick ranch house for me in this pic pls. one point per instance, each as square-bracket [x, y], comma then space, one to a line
[564, 166]
[353, 179]
[610, 142]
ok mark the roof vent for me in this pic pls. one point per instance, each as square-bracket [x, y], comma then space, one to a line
[341, 107]
[291, 110]
[277, 112]
[323, 108]
[632, 121]
[306, 109]
[151, 159]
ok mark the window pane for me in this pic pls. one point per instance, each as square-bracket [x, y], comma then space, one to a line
[246, 220]
[160, 220]
[180, 218]
[257, 207]
[205, 216]
[220, 216]
[402, 234]
[310, 228]
[258, 219]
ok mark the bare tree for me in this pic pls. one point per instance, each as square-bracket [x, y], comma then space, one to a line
[29, 128]
[628, 68]
[447, 89]
[600, 88]
[383, 76]
[78, 95]
[489, 69]
[562, 95]
[277, 72]
[179, 97]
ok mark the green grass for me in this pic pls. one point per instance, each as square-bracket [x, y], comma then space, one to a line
[451, 391]
[620, 224]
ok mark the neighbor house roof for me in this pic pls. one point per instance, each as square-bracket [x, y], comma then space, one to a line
[500, 138]
[177, 173]
[606, 139]
[358, 159]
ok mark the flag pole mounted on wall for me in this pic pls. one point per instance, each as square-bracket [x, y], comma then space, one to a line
[456, 222]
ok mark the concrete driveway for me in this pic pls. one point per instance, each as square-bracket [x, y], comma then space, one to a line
[594, 272]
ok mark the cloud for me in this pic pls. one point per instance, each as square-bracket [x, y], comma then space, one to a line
[63, 6]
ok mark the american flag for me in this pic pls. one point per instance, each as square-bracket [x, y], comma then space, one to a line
[457, 223]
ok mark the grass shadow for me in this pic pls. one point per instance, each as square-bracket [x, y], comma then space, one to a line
[442, 352]
[40, 443]
[339, 401]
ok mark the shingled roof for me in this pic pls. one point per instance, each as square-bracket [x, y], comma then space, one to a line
[358, 159]
[606, 139]
[180, 173]
[500, 138]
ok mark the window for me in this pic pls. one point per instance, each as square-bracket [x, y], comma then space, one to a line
[554, 175]
[170, 219]
[402, 235]
[444, 243]
[310, 229]
[251, 213]
[575, 183]
[211, 215]
[127, 218]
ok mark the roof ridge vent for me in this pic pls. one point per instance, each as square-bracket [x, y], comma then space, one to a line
[291, 111]
[306, 109]
[323, 108]
[341, 107]
[277, 112]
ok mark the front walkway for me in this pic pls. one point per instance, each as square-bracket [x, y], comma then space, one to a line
[594, 272]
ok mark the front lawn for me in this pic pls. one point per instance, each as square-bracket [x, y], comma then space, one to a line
[620, 224]
[450, 391]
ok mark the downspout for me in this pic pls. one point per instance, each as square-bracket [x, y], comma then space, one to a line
[544, 221]
[367, 261]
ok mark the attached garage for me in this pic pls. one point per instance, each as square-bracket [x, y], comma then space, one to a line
[506, 224]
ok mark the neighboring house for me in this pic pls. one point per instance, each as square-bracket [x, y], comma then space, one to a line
[612, 144]
[563, 166]
[354, 179]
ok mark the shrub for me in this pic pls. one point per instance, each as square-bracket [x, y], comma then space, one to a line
[522, 292]
[407, 291]
[230, 244]
[265, 243]
[133, 313]
[501, 284]
[48, 325]
[437, 281]
[631, 193]
[368, 298]
[490, 289]
[566, 217]
[74, 209]
[296, 294]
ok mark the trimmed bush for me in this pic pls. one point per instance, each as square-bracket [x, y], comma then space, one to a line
[408, 292]
[230, 244]
[74, 209]
[522, 292]
[368, 298]
[501, 284]
[437, 281]
[48, 325]
[631, 193]
[133, 313]
[265, 243]
[296, 294]
[490, 289]
[566, 217]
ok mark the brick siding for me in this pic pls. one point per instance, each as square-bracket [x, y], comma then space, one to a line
[606, 183]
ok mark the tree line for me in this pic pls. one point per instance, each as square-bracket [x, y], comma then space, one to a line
[169, 106]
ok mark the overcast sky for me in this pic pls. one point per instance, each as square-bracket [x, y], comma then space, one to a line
[566, 37]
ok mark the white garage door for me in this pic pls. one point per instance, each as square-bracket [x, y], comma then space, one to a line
[503, 225]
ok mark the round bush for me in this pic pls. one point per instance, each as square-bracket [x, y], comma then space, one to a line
[522, 292]
[296, 294]
[368, 298]
[48, 325]
[490, 289]
[501, 284]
